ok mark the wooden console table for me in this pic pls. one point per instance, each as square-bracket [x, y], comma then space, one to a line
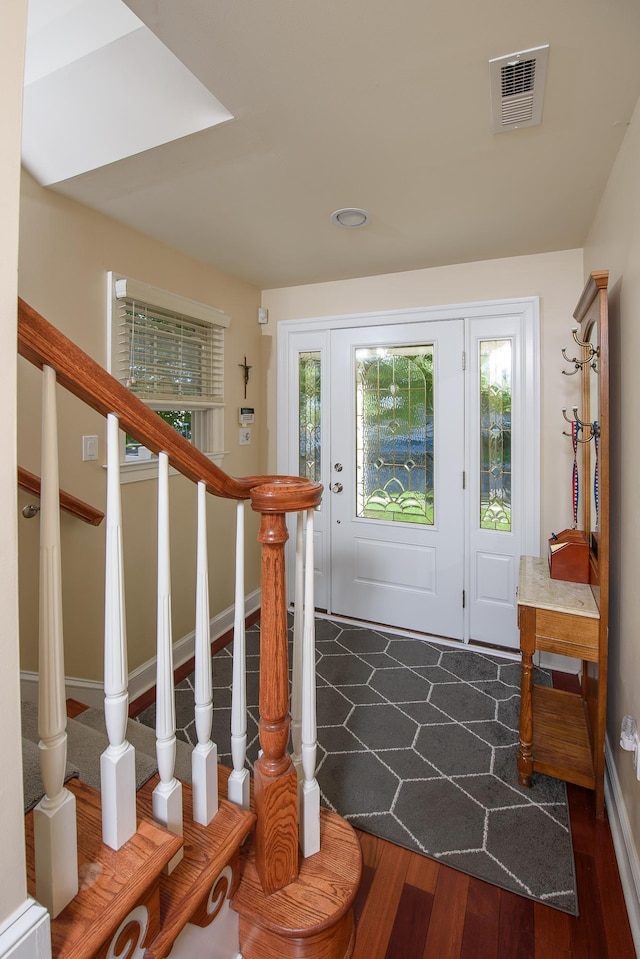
[561, 733]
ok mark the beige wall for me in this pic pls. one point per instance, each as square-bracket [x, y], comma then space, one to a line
[557, 278]
[13, 888]
[614, 244]
[65, 253]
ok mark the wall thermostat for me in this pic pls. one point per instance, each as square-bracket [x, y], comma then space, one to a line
[246, 415]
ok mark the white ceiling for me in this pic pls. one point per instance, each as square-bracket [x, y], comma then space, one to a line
[383, 106]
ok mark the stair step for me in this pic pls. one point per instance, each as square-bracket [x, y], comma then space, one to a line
[207, 851]
[312, 917]
[112, 883]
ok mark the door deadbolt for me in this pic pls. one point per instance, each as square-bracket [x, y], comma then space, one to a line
[338, 467]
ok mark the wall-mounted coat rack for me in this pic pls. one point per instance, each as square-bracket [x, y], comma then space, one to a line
[590, 358]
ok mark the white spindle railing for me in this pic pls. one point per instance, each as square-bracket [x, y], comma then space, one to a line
[54, 820]
[296, 666]
[117, 763]
[310, 793]
[238, 784]
[167, 796]
[204, 758]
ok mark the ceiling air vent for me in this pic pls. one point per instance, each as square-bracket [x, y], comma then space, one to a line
[517, 88]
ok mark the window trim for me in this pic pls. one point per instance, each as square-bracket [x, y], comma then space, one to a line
[208, 421]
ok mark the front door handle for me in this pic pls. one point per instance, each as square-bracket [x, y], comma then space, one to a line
[336, 488]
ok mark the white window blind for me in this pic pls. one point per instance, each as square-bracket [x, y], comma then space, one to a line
[168, 350]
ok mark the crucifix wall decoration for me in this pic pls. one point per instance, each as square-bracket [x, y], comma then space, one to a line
[245, 369]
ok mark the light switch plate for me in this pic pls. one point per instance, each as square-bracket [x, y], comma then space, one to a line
[89, 448]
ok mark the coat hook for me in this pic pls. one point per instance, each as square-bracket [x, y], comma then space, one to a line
[593, 352]
[581, 425]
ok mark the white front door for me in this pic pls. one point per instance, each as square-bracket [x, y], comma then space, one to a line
[396, 475]
[420, 529]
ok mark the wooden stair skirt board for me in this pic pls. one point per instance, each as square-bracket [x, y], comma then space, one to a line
[125, 901]
[312, 917]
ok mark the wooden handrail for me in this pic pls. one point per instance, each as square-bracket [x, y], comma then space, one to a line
[71, 504]
[43, 345]
[273, 496]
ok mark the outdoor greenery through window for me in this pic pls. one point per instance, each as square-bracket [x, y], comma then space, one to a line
[181, 420]
[495, 434]
[395, 434]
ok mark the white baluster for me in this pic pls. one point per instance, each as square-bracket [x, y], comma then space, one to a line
[167, 796]
[117, 763]
[204, 758]
[296, 671]
[310, 798]
[238, 784]
[54, 818]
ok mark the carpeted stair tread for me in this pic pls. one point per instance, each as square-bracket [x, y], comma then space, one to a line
[84, 747]
[143, 739]
[32, 780]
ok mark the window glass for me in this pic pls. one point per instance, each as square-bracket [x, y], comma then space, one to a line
[395, 434]
[495, 434]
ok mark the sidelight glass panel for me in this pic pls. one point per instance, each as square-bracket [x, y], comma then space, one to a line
[495, 434]
[309, 399]
[395, 434]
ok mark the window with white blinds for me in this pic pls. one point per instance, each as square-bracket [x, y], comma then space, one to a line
[169, 351]
[168, 357]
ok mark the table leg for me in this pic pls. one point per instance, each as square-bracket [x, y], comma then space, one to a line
[527, 622]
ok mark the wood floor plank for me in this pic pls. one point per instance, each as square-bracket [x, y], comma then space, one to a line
[516, 927]
[480, 937]
[484, 899]
[546, 950]
[411, 923]
[617, 929]
[379, 912]
[446, 928]
[368, 873]
[423, 873]
[551, 926]
[588, 938]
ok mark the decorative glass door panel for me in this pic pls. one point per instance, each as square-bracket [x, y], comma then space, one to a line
[495, 434]
[309, 415]
[395, 434]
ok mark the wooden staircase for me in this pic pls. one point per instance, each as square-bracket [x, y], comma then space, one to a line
[152, 890]
[127, 902]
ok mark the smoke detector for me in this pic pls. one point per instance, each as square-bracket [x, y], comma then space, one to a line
[517, 88]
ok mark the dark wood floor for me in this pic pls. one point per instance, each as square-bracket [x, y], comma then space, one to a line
[411, 907]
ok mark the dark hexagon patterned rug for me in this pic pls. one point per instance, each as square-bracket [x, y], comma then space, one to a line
[417, 744]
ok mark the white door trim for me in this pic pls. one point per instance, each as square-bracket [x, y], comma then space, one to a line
[527, 307]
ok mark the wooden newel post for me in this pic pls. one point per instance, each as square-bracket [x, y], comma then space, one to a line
[275, 778]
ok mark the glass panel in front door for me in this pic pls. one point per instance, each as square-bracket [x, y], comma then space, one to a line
[495, 434]
[395, 434]
[309, 413]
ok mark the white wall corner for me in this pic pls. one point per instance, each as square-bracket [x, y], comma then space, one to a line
[27, 933]
[624, 845]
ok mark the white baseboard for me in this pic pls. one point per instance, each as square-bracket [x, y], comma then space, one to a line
[27, 933]
[626, 852]
[143, 677]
